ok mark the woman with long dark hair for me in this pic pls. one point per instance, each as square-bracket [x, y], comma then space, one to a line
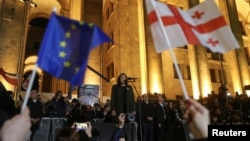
[122, 97]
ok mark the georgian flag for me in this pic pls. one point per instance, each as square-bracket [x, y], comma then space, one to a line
[200, 25]
[10, 78]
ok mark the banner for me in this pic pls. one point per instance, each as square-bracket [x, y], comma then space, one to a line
[88, 94]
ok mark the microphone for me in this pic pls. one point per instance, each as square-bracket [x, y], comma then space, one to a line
[132, 78]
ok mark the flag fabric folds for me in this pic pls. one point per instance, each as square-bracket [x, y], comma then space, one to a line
[200, 25]
[9, 77]
[66, 46]
[26, 82]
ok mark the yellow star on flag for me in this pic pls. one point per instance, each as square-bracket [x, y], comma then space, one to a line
[81, 23]
[91, 25]
[63, 44]
[67, 34]
[73, 26]
[76, 69]
[62, 54]
[67, 64]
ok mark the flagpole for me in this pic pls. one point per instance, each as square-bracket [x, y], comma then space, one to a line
[27, 95]
[223, 88]
[222, 72]
[15, 89]
[185, 94]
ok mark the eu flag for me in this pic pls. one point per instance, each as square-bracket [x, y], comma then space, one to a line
[66, 46]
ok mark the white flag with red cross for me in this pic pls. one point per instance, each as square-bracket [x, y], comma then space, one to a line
[200, 25]
[9, 77]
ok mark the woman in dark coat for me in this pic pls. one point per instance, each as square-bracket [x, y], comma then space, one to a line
[122, 97]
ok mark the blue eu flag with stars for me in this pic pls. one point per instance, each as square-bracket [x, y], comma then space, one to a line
[66, 46]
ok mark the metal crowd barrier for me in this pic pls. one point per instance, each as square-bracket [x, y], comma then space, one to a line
[48, 128]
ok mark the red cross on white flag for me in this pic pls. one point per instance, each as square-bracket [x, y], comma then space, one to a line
[200, 25]
[212, 42]
[197, 15]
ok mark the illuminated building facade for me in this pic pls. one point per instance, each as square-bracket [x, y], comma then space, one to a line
[125, 21]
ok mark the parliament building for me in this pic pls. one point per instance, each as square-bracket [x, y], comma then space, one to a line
[23, 23]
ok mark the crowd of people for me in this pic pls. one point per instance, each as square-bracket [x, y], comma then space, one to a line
[156, 119]
[20, 125]
[228, 110]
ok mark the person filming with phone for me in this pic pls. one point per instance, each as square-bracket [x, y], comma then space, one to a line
[77, 132]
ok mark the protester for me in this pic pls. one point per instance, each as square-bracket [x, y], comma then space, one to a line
[67, 134]
[58, 105]
[160, 119]
[199, 119]
[72, 134]
[119, 133]
[36, 111]
[17, 128]
[7, 105]
[147, 113]
[107, 113]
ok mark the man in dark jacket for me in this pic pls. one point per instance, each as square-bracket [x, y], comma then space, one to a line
[58, 105]
[36, 112]
[160, 119]
[147, 119]
[7, 105]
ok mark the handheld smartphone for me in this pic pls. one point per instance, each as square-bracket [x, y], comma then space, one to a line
[80, 126]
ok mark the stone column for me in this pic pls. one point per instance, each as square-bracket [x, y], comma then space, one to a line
[142, 14]
[154, 64]
[127, 47]
[236, 60]
[92, 14]
[66, 7]
[76, 9]
[65, 12]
